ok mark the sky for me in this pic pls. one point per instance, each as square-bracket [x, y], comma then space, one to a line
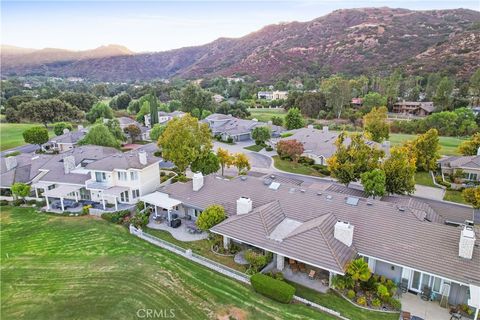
[164, 25]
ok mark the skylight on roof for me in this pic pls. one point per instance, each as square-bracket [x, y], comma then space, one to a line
[352, 201]
[274, 186]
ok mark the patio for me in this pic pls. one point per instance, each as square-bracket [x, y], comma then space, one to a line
[427, 310]
[181, 233]
[304, 279]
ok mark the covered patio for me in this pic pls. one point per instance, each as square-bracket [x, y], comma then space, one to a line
[169, 206]
[413, 304]
[61, 192]
[182, 233]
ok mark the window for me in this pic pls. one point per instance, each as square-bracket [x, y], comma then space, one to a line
[122, 175]
[124, 196]
[100, 176]
[133, 175]
[472, 176]
[437, 282]
[135, 193]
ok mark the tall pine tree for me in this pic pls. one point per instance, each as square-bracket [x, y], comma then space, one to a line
[153, 109]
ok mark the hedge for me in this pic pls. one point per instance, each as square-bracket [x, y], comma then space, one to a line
[272, 288]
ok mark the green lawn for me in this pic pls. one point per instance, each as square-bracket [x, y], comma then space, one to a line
[448, 145]
[11, 134]
[265, 114]
[289, 166]
[254, 147]
[56, 267]
[454, 196]
[333, 301]
[425, 179]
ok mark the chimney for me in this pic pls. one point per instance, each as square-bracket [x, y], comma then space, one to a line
[197, 180]
[478, 151]
[310, 126]
[142, 157]
[344, 232]
[467, 242]
[11, 162]
[68, 164]
[244, 205]
[325, 129]
[65, 131]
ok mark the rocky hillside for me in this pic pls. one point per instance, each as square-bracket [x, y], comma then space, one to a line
[352, 41]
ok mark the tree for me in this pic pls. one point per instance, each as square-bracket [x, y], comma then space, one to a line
[122, 101]
[294, 119]
[194, 97]
[474, 88]
[49, 110]
[153, 110]
[277, 121]
[36, 135]
[470, 147]
[338, 94]
[358, 270]
[311, 104]
[184, 140]
[443, 94]
[291, 149]
[144, 110]
[472, 196]
[241, 162]
[98, 111]
[133, 131]
[261, 135]
[373, 100]
[157, 131]
[83, 101]
[210, 217]
[373, 182]
[225, 158]
[206, 164]
[99, 135]
[21, 190]
[375, 123]
[399, 171]
[113, 126]
[353, 159]
[59, 127]
[425, 150]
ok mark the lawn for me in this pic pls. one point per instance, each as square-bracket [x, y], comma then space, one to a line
[254, 147]
[56, 267]
[425, 179]
[335, 302]
[266, 114]
[11, 134]
[454, 196]
[448, 145]
[298, 168]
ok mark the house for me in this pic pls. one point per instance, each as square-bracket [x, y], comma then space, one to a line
[66, 141]
[357, 102]
[319, 145]
[164, 117]
[420, 109]
[470, 165]
[325, 230]
[272, 95]
[126, 121]
[237, 129]
[218, 98]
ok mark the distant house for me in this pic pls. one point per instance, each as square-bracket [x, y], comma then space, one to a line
[66, 141]
[357, 102]
[272, 95]
[126, 121]
[470, 165]
[164, 117]
[237, 129]
[420, 109]
[218, 98]
[319, 145]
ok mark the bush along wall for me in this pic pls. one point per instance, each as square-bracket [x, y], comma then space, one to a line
[275, 289]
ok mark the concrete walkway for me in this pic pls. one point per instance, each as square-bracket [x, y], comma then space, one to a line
[429, 192]
[427, 310]
[179, 233]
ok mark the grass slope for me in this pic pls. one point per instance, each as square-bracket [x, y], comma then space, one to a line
[254, 147]
[425, 179]
[298, 168]
[448, 145]
[84, 268]
[11, 134]
[266, 114]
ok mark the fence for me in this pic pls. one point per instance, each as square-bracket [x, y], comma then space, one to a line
[220, 268]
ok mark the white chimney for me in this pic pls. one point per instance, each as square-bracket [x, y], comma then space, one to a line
[142, 157]
[65, 131]
[478, 151]
[467, 242]
[197, 180]
[244, 205]
[11, 162]
[325, 129]
[310, 126]
[69, 164]
[344, 232]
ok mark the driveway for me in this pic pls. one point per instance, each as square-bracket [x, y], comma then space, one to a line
[257, 160]
[428, 192]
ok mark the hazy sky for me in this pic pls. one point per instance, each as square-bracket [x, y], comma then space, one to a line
[162, 25]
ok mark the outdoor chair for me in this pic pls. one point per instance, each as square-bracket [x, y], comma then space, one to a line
[406, 315]
[291, 261]
[404, 285]
[302, 268]
[311, 275]
[426, 293]
[294, 268]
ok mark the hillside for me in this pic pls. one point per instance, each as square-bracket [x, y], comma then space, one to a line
[352, 41]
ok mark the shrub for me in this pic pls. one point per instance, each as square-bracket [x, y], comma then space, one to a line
[275, 289]
[395, 304]
[41, 204]
[322, 169]
[162, 173]
[229, 140]
[351, 294]
[115, 217]
[362, 301]
[255, 259]
[279, 276]
[140, 220]
[382, 292]
[306, 160]
[86, 209]
[17, 202]
[210, 217]
[269, 148]
[140, 206]
[3, 203]
[376, 303]
[439, 180]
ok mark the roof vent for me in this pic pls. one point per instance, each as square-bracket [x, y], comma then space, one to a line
[319, 193]
[352, 201]
[274, 186]
[369, 202]
[292, 190]
[401, 208]
[302, 190]
[329, 197]
[243, 178]
[267, 181]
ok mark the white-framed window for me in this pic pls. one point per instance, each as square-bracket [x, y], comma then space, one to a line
[436, 284]
[133, 175]
[124, 196]
[135, 194]
[100, 176]
[122, 175]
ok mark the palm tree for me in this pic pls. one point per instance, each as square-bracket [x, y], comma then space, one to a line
[358, 270]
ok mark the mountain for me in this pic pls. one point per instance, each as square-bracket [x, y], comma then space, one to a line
[351, 41]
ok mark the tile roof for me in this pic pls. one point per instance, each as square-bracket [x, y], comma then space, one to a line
[227, 124]
[27, 168]
[124, 160]
[461, 162]
[381, 229]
